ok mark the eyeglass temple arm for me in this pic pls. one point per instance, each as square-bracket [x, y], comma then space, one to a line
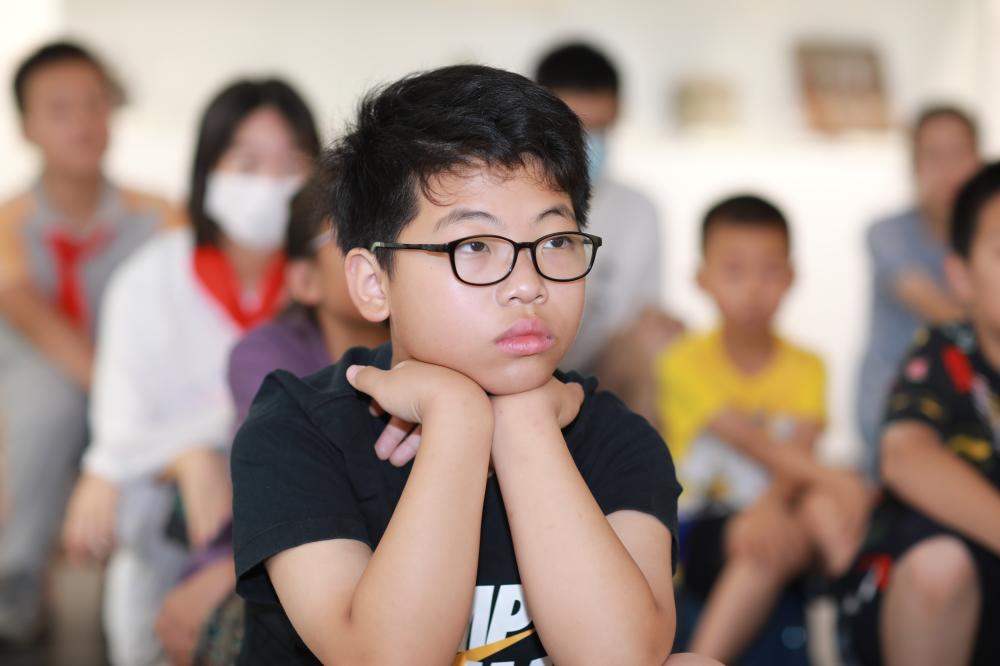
[408, 246]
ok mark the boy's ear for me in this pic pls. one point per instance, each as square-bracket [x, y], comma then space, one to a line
[366, 282]
[957, 272]
[303, 282]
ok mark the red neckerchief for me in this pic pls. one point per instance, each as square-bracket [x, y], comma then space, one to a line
[70, 250]
[216, 274]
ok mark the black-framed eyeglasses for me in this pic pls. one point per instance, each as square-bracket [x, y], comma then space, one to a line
[565, 256]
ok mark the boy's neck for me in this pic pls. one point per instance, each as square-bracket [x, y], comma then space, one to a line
[749, 350]
[75, 196]
[340, 335]
[249, 265]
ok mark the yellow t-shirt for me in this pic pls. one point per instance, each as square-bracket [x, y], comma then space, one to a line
[696, 380]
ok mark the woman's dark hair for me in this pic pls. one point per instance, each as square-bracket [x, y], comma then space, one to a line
[446, 120]
[218, 126]
[744, 210]
[577, 66]
[60, 52]
[969, 204]
[932, 113]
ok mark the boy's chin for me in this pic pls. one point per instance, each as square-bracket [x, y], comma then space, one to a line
[515, 380]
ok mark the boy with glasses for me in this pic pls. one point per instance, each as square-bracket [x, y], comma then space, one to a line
[535, 524]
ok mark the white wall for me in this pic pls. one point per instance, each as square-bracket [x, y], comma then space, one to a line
[172, 56]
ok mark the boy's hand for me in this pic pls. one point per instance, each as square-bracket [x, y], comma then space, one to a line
[89, 529]
[410, 392]
[207, 493]
[553, 399]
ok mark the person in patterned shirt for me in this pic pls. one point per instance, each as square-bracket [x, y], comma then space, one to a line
[925, 588]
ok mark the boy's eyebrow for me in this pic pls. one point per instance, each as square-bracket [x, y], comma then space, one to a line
[463, 214]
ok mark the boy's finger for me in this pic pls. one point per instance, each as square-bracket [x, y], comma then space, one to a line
[390, 437]
[407, 449]
[363, 377]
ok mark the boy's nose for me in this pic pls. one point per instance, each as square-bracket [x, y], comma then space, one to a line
[524, 284]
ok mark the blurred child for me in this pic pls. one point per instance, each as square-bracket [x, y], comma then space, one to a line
[59, 243]
[743, 408]
[908, 256]
[926, 587]
[624, 327]
[319, 325]
[162, 413]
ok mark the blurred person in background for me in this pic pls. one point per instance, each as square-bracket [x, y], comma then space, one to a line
[925, 588]
[743, 409]
[59, 243]
[202, 616]
[908, 257]
[155, 491]
[624, 326]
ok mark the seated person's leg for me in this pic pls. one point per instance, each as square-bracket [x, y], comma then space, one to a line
[43, 417]
[146, 564]
[835, 519]
[689, 659]
[765, 548]
[931, 608]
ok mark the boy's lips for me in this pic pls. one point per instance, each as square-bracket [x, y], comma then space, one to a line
[526, 337]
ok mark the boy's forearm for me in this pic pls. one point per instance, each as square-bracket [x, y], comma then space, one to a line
[415, 595]
[589, 600]
[45, 328]
[936, 482]
[792, 465]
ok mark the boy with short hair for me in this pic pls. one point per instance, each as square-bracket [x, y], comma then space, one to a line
[925, 588]
[742, 409]
[535, 524]
[59, 243]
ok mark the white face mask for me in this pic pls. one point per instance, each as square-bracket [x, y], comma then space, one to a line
[252, 210]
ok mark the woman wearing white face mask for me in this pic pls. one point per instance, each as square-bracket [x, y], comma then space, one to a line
[161, 414]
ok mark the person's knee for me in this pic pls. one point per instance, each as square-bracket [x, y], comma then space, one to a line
[939, 571]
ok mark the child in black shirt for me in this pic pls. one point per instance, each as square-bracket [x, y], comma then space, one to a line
[535, 524]
[926, 587]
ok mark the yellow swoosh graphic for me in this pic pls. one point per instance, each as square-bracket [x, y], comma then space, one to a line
[490, 649]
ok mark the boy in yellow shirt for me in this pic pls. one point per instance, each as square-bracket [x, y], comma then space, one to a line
[742, 409]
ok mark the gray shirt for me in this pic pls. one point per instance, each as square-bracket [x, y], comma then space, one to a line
[627, 273]
[895, 244]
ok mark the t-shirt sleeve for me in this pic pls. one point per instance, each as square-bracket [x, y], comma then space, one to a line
[290, 487]
[687, 400]
[253, 357]
[630, 467]
[889, 245]
[811, 391]
[933, 375]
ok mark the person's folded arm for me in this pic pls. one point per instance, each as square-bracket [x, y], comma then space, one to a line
[409, 600]
[48, 330]
[599, 587]
[920, 470]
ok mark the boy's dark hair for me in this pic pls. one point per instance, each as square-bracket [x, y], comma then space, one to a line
[445, 121]
[577, 66]
[218, 126]
[305, 224]
[972, 198]
[59, 52]
[932, 113]
[745, 210]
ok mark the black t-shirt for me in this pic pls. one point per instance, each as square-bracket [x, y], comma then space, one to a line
[304, 470]
[947, 384]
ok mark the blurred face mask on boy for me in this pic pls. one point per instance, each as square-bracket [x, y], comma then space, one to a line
[251, 209]
[597, 154]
